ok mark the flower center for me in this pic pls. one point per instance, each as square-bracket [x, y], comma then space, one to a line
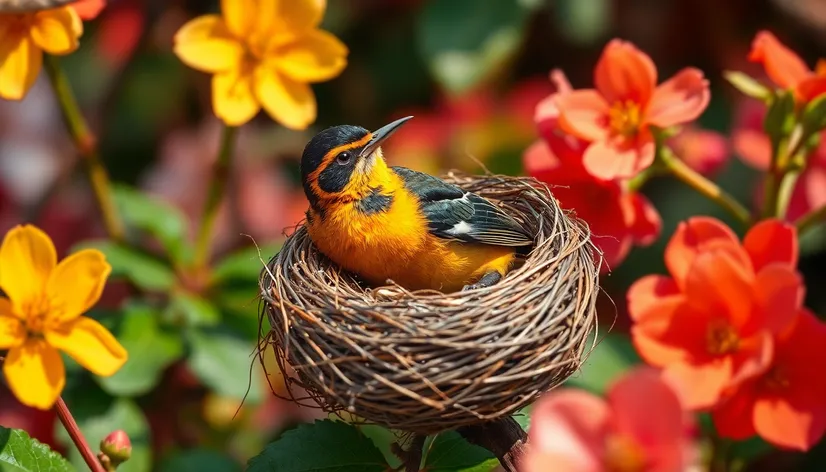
[36, 314]
[624, 118]
[721, 338]
[776, 379]
[623, 454]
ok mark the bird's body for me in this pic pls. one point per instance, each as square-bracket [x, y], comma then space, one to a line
[391, 223]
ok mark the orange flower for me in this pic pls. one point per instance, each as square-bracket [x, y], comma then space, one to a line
[640, 426]
[786, 69]
[618, 218]
[711, 324]
[787, 405]
[617, 116]
[88, 9]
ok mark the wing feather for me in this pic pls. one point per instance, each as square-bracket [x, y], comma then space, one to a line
[455, 214]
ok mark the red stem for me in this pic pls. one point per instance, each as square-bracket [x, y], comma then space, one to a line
[77, 437]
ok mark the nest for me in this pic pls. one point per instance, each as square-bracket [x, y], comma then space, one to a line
[425, 361]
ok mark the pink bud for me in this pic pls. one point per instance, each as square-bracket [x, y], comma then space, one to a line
[117, 446]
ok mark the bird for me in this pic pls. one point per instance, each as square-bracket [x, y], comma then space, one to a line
[395, 224]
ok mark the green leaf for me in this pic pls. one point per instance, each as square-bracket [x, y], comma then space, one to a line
[584, 22]
[188, 309]
[98, 415]
[161, 220]
[464, 45]
[21, 453]
[323, 445]
[224, 363]
[814, 115]
[199, 460]
[151, 349]
[612, 356]
[141, 269]
[244, 264]
[780, 118]
[452, 453]
[747, 85]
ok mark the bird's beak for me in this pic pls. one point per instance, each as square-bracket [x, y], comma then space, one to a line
[381, 134]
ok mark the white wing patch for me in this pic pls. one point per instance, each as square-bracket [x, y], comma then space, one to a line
[462, 227]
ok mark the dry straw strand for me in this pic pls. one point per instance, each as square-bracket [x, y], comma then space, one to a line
[424, 361]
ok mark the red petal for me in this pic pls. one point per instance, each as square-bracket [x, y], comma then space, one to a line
[720, 282]
[88, 9]
[753, 147]
[670, 331]
[783, 66]
[647, 294]
[570, 423]
[583, 113]
[699, 386]
[811, 88]
[789, 424]
[733, 418]
[772, 241]
[680, 99]
[648, 410]
[689, 238]
[625, 73]
[655, 352]
[646, 223]
[779, 294]
[604, 160]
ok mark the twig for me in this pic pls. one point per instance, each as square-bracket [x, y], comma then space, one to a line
[413, 461]
[503, 437]
[77, 437]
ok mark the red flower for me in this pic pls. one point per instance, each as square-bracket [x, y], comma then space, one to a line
[787, 405]
[710, 325]
[786, 69]
[753, 147]
[618, 218]
[640, 426]
[615, 118]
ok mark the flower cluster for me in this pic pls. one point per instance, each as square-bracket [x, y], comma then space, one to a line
[726, 329]
[596, 141]
[641, 425]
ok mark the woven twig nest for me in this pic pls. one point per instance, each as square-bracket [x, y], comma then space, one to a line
[424, 361]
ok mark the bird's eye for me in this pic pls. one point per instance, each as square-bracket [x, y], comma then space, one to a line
[344, 158]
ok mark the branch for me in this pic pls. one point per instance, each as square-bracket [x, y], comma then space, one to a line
[503, 437]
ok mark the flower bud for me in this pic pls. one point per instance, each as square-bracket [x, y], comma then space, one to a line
[117, 446]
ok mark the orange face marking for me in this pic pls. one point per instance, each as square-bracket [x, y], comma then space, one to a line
[328, 158]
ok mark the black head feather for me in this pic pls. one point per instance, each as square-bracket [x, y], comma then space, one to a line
[323, 142]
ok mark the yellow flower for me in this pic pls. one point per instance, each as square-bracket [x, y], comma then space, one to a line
[42, 314]
[264, 53]
[24, 37]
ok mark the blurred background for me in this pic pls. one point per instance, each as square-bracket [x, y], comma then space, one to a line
[470, 71]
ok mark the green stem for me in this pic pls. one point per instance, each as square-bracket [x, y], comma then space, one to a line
[702, 185]
[811, 219]
[217, 187]
[787, 163]
[720, 457]
[86, 144]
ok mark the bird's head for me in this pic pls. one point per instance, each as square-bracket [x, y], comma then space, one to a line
[342, 160]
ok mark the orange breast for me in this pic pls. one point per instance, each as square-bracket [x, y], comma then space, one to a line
[396, 245]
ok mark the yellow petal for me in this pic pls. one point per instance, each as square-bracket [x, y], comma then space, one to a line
[27, 258]
[20, 62]
[301, 14]
[35, 373]
[57, 31]
[90, 344]
[313, 57]
[240, 15]
[288, 102]
[206, 44]
[232, 97]
[76, 284]
[12, 333]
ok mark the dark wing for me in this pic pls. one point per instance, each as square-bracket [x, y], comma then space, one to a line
[453, 213]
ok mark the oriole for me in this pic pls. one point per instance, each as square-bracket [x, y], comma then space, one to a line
[394, 223]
